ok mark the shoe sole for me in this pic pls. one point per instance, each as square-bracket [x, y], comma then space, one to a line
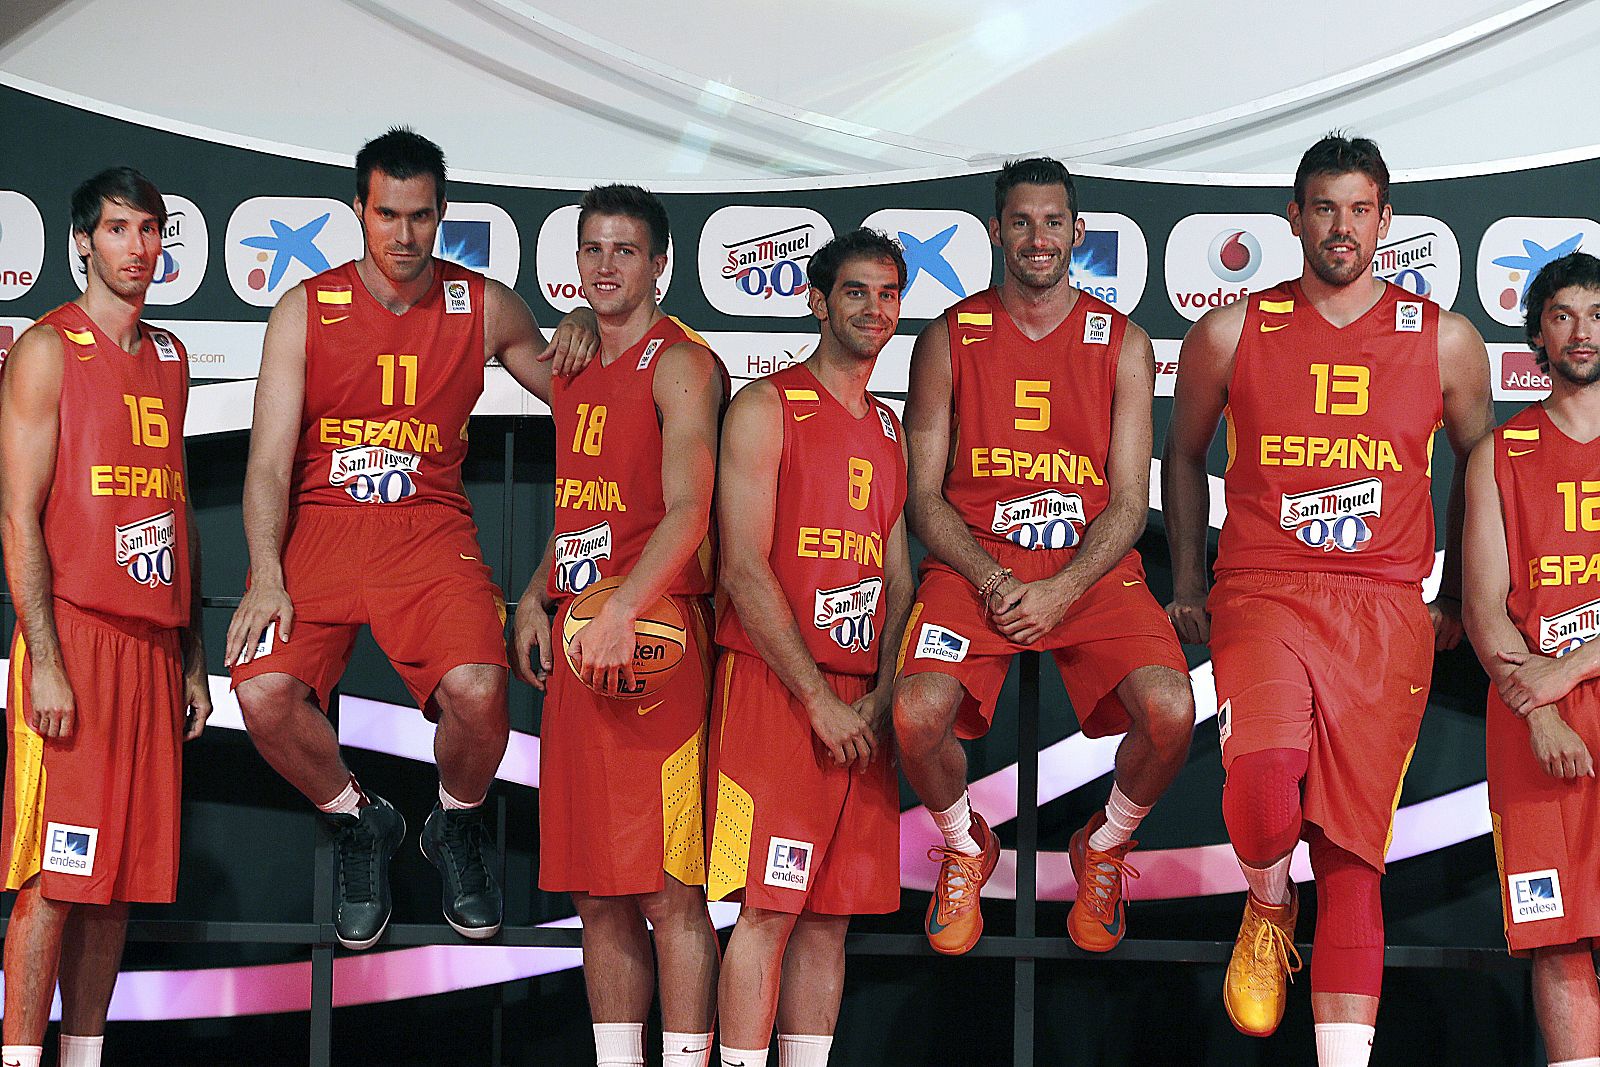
[471, 933]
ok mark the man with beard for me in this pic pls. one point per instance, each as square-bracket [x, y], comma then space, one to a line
[103, 562]
[818, 579]
[1030, 440]
[1333, 385]
[1533, 561]
[353, 500]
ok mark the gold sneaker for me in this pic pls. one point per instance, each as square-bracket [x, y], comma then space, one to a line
[1263, 963]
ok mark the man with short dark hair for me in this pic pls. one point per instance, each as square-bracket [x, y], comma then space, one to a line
[1533, 558]
[1333, 385]
[103, 561]
[1030, 440]
[353, 501]
[806, 802]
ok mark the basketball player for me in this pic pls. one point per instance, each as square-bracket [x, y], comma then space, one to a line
[620, 812]
[1533, 562]
[103, 561]
[354, 513]
[1333, 384]
[818, 579]
[1029, 419]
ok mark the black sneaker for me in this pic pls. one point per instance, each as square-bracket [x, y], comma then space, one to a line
[365, 842]
[457, 843]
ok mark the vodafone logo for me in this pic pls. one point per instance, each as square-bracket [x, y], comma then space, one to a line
[1214, 260]
[21, 244]
[556, 261]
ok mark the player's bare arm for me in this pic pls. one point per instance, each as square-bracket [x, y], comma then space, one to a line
[929, 429]
[196, 682]
[1468, 417]
[511, 335]
[1499, 644]
[1205, 366]
[531, 628]
[1027, 611]
[274, 433]
[747, 488]
[30, 426]
[900, 589]
[688, 397]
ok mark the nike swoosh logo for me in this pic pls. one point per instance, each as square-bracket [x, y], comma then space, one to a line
[1512, 452]
[464, 556]
[1416, 689]
[692, 1051]
[802, 418]
[329, 322]
[84, 359]
[1127, 584]
[1273, 329]
[972, 340]
[646, 711]
[1115, 929]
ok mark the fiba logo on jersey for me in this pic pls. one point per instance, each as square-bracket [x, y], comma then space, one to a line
[145, 549]
[1040, 520]
[848, 613]
[1335, 517]
[578, 556]
[457, 298]
[1564, 633]
[1535, 895]
[373, 474]
[1407, 317]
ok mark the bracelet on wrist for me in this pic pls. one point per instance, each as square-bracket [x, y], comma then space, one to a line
[992, 584]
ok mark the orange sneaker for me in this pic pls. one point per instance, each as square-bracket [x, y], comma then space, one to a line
[1099, 917]
[954, 921]
[1255, 989]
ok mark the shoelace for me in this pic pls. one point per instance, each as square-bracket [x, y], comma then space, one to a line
[952, 889]
[1273, 947]
[1103, 870]
[464, 837]
[357, 853]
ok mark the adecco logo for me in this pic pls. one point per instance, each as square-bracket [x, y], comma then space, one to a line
[1517, 375]
[753, 260]
[21, 244]
[1516, 248]
[556, 261]
[185, 252]
[480, 237]
[276, 242]
[1422, 256]
[948, 257]
[1113, 262]
[1213, 260]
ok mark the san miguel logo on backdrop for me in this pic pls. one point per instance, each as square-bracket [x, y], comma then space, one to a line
[753, 260]
[1422, 256]
[556, 262]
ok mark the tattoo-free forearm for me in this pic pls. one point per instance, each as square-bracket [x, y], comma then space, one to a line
[942, 529]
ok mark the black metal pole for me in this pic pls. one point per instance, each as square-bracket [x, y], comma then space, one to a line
[1027, 857]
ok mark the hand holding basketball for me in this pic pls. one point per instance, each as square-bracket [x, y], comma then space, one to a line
[616, 660]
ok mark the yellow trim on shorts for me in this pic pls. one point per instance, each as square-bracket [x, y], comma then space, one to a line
[28, 780]
[730, 839]
[727, 690]
[682, 812]
[905, 638]
[1388, 838]
[1500, 869]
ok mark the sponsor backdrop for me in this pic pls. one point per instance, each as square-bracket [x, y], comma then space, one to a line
[245, 226]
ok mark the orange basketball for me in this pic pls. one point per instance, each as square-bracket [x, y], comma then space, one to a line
[659, 637]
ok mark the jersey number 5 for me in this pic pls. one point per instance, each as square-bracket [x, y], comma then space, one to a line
[1033, 396]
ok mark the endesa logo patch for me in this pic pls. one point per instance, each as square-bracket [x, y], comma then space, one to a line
[936, 642]
[578, 556]
[788, 863]
[847, 613]
[1534, 896]
[1560, 634]
[70, 849]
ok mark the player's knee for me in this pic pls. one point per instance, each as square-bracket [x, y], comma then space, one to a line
[268, 701]
[1169, 719]
[1261, 804]
[475, 694]
[921, 717]
[1348, 956]
[769, 925]
[670, 908]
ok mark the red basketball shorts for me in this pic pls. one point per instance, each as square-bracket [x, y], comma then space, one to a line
[1337, 667]
[621, 782]
[414, 573]
[792, 830]
[1546, 830]
[1115, 628]
[95, 814]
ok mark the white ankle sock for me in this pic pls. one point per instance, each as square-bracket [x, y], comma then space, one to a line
[619, 1044]
[955, 823]
[1122, 819]
[21, 1055]
[1270, 885]
[1343, 1044]
[450, 803]
[804, 1050]
[742, 1057]
[685, 1050]
[349, 800]
[1591, 1061]
[81, 1051]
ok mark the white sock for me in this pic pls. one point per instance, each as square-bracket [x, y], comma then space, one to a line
[1592, 1061]
[1269, 885]
[804, 1050]
[685, 1050]
[21, 1055]
[1122, 819]
[81, 1051]
[1343, 1044]
[742, 1057]
[955, 823]
[450, 803]
[348, 802]
[619, 1044]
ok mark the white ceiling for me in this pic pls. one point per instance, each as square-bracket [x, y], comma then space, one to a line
[702, 93]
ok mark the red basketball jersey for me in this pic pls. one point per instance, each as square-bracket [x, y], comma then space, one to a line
[1550, 497]
[1031, 421]
[388, 396]
[841, 486]
[1330, 438]
[116, 523]
[608, 468]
